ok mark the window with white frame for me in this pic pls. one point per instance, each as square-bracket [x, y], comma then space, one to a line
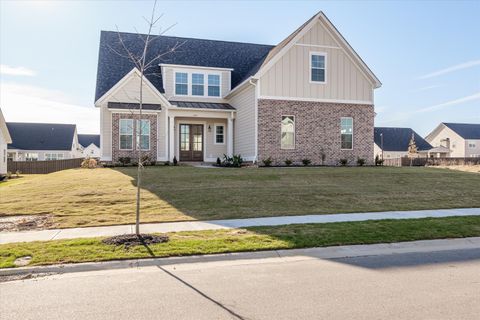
[143, 134]
[53, 156]
[197, 84]
[213, 85]
[318, 67]
[346, 130]
[472, 145]
[31, 156]
[219, 134]
[126, 134]
[181, 83]
[288, 132]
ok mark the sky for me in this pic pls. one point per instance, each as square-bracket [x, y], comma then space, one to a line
[426, 53]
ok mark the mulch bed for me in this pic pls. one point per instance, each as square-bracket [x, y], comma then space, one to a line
[129, 240]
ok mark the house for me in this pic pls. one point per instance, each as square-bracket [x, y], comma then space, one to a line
[393, 143]
[5, 139]
[43, 141]
[463, 139]
[311, 96]
[90, 144]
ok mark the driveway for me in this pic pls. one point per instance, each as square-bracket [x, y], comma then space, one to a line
[435, 285]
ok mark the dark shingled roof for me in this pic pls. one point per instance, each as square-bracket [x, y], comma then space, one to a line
[125, 105]
[244, 58]
[397, 139]
[41, 136]
[87, 139]
[465, 130]
[202, 105]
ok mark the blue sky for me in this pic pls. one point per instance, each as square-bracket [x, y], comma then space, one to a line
[427, 54]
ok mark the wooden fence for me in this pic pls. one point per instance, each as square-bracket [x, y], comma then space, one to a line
[405, 161]
[34, 167]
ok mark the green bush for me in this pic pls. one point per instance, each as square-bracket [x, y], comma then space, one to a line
[306, 162]
[267, 162]
[124, 160]
[360, 162]
[235, 161]
[378, 161]
[343, 162]
[175, 161]
[288, 162]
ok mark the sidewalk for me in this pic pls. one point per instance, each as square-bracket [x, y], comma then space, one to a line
[90, 232]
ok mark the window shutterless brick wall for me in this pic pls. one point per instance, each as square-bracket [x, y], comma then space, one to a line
[133, 154]
[317, 131]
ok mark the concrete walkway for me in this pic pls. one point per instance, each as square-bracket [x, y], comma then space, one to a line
[90, 232]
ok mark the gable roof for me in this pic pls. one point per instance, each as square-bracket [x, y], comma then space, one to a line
[397, 139]
[4, 129]
[465, 130]
[87, 139]
[41, 136]
[241, 57]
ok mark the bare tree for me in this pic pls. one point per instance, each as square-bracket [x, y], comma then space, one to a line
[144, 63]
[412, 149]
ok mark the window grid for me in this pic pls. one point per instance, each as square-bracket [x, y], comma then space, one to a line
[346, 131]
[317, 63]
[288, 132]
[181, 83]
[126, 134]
[197, 84]
[213, 85]
[143, 134]
[219, 134]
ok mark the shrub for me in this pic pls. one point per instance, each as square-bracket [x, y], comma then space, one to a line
[235, 161]
[267, 162]
[288, 162]
[166, 163]
[175, 162]
[219, 162]
[343, 162]
[89, 163]
[124, 160]
[360, 162]
[306, 162]
[378, 161]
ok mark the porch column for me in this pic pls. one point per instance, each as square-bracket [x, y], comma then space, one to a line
[171, 134]
[230, 137]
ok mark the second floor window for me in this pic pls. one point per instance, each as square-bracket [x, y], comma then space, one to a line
[197, 84]
[288, 132]
[143, 134]
[346, 130]
[213, 85]
[181, 83]
[126, 134]
[317, 65]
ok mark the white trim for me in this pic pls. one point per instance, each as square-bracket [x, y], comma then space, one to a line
[190, 84]
[317, 46]
[347, 133]
[240, 86]
[120, 134]
[175, 108]
[181, 66]
[133, 111]
[294, 131]
[316, 100]
[324, 55]
[138, 136]
[215, 125]
[257, 93]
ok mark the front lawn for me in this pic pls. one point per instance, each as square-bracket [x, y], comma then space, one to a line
[83, 197]
[248, 239]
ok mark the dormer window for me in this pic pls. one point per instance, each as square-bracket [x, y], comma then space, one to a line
[197, 84]
[318, 67]
[213, 85]
[181, 83]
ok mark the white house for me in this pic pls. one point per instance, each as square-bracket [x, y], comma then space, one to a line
[5, 139]
[90, 144]
[463, 139]
[43, 141]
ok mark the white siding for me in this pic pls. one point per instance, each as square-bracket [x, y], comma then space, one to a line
[457, 143]
[106, 133]
[290, 76]
[244, 127]
[469, 152]
[91, 151]
[3, 154]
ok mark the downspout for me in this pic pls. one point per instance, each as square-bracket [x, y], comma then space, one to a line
[254, 83]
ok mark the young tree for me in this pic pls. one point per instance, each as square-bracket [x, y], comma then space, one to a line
[144, 62]
[412, 149]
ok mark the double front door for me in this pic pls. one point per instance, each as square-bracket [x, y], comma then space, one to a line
[191, 142]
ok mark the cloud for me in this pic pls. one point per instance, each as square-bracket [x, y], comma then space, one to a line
[24, 103]
[428, 88]
[473, 97]
[16, 71]
[457, 67]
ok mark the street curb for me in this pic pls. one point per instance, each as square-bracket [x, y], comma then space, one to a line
[335, 252]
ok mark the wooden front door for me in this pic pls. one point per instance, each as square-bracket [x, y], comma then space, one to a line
[191, 142]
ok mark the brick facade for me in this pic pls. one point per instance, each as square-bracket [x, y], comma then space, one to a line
[317, 131]
[133, 154]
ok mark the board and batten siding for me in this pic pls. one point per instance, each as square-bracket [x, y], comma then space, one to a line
[169, 84]
[290, 76]
[244, 128]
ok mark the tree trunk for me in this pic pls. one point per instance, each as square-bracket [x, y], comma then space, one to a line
[139, 165]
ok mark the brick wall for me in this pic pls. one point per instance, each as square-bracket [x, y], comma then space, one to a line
[117, 153]
[317, 131]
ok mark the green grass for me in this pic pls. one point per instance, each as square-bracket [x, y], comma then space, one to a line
[82, 197]
[249, 239]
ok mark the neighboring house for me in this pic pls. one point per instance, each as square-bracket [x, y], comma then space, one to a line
[5, 139]
[90, 145]
[395, 142]
[311, 96]
[43, 141]
[463, 139]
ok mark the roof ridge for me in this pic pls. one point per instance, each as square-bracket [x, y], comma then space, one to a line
[190, 38]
